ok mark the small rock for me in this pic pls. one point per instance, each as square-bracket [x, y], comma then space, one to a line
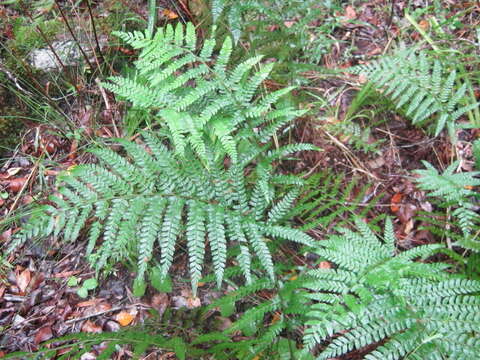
[45, 59]
[17, 320]
[111, 326]
[88, 356]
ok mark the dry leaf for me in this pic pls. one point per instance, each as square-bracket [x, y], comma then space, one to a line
[395, 201]
[88, 303]
[160, 302]
[424, 24]
[124, 318]
[276, 317]
[193, 302]
[222, 323]
[23, 279]
[43, 334]
[6, 235]
[90, 327]
[408, 227]
[406, 212]
[325, 265]
[15, 185]
[169, 14]
[13, 171]
[350, 13]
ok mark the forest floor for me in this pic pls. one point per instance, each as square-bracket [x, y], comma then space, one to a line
[39, 284]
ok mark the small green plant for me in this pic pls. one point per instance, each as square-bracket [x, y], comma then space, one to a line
[73, 346]
[385, 300]
[87, 285]
[425, 89]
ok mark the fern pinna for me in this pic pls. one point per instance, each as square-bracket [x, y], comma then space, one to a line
[423, 87]
[404, 308]
[196, 94]
[456, 190]
[152, 196]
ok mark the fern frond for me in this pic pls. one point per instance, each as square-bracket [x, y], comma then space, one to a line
[152, 195]
[454, 189]
[391, 300]
[420, 85]
[194, 92]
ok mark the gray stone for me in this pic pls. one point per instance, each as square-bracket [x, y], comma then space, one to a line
[45, 59]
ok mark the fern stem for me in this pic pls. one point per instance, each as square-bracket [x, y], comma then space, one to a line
[422, 32]
[152, 16]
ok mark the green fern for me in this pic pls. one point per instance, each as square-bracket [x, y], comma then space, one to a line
[456, 190]
[287, 30]
[328, 200]
[197, 95]
[73, 346]
[154, 197]
[267, 324]
[377, 297]
[424, 88]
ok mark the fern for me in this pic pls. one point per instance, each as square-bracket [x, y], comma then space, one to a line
[267, 324]
[457, 190]
[286, 30]
[200, 98]
[328, 199]
[376, 297]
[422, 87]
[153, 197]
[73, 346]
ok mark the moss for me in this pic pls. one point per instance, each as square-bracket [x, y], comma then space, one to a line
[27, 37]
[9, 133]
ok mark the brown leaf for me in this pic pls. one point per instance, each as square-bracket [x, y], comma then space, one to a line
[124, 318]
[14, 171]
[73, 150]
[6, 235]
[23, 279]
[350, 13]
[406, 212]
[395, 201]
[193, 302]
[160, 302]
[222, 323]
[91, 327]
[66, 274]
[408, 227]
[15, 185]
[325, 265]
[169, 14]
[43, 334]
[87, 303]
[424, 24]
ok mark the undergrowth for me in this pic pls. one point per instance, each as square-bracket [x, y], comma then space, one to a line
[207, 176]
